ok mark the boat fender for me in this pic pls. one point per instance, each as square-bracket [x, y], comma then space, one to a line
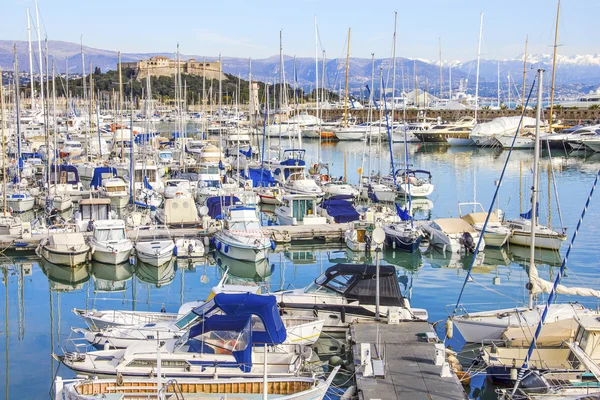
[218, 245]
[449, 328]
[273, 244]
[226, 248]
[175, 251]
[343, 314]
[349, 394]
[106, 345]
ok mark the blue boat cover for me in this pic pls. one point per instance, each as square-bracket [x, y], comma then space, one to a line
[402, 213]
[247, 153]
[527, 215]
[235, 323]
[28, 155]
[214, 204]
[341, 210]
[341, 197]
[260, 177]
[146, 183]
[248, 304]
[97, 177]
[144, 137]
[71, 172]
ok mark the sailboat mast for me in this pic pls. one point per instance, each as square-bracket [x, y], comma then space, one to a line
[121, 112]
[441, 76]
[498, 90]
[317, 89]
[41, 66]
[394, 66]
[30, 60]
[534, 189]
[346, 90]
[554, 66]
[87, 135]
[3, 122]
[478, 61]
[524, 72]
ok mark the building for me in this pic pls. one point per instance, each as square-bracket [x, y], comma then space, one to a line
[163, 66]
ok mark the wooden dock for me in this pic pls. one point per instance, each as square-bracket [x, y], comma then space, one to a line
[409, 370]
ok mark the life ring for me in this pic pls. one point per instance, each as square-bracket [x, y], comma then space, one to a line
[324, 178]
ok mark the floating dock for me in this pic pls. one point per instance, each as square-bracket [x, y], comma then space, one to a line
[396, 361]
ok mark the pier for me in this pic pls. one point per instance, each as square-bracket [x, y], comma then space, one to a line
[398, 361]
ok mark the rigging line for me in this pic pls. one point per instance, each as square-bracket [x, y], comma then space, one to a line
[559, 275]
[562, 225]
[492, 203]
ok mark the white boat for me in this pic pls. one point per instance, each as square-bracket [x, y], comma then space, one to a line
[291, 173]
[495, 234]
[270, 195]
[115, 189]
[71, 148]
[336, 188]
[359, 237]
[299, 210]
[484, 134]
[332, 297]
[241, 237]
[155, 247]
[354, 132]
[91, 210]
[189, 248]
[178, 212]
[414, 183]
[10, 225]
[452, 234]
[176, 188]
[62, 202]
[64, 248]
[545, 237]
[284, 388]
[109, 244]
[20, 201]
[372, 189]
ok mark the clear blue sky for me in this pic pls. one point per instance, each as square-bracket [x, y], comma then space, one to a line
[250, 28]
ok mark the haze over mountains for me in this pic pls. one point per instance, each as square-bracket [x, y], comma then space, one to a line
[582, 71]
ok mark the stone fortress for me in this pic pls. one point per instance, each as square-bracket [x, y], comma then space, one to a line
[163, 66]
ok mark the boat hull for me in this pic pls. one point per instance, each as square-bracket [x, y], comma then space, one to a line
[407, 244]
[61, 258]
[109, 257]
[238, 252]
[541, 241]
[20, 205]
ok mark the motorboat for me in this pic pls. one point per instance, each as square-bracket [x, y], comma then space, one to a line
[64, 180]
[403, 235]
[414, 183]
[270, 195]
[116, 190]
[299, 331]
[218, 344]
[346, 293]
[10, 224]
[338, 211]
[285, 388]
[359, 238]
[375, 190]
[545, 237]
[64, 248]
[485, 134]
[109, 244]
[440, 132]
[338, 187]
[496, 234]
[71, 148]
[155, 246]
[241, 237]
[291, 173]
[352, 132]
[189, 247]
[92, 209]
[299, 210]
[175, 188]
[452, 234]
[20, 201]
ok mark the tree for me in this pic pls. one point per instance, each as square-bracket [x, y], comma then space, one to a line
[97, 71]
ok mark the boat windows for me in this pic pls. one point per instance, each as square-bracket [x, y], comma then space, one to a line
[149, 173]
[186, 320]
[317, 288]
[114, 189]
[109, 234]
[153, 363]
[340, 282]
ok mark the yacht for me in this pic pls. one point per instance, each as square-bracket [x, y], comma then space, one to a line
[359, 237]
[154, 247]
[109, 244]
[116, 190]
[178, 212]
[339, 187]
[299, 209]
[496, 234]
[64, 248]
[241, 237]
[291, 173]
[545, 237]
[413, 183]
[345, 293]
[439, 133]
[452, 234]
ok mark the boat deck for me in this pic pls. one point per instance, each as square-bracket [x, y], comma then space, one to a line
[410, 370]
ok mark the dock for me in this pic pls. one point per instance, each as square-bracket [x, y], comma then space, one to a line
[328, 233]
[408, 370]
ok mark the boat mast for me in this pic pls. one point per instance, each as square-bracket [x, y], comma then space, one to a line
[87, 135]
[441, 76]
[346, 90]
[534, 189]
[478, 61]
[317, 90]
[394, 67]
[121, 113]
[498, 90]
[524, 72]
[3, 141]
[30, 60]
[41, 66]
[554, 66]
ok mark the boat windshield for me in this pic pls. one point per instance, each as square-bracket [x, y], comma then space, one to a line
[109, 234]
[317, 287]
[245, 225]
[187, 320]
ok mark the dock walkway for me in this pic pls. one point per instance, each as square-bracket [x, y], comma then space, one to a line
[410, 370]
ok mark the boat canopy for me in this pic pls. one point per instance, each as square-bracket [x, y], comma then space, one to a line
[341, 210]
[453, 225]
[479, 217]
[412, 172]
[260, 177]
[67, 174]
[101, 173]
[264, 307]
[216, 203]
[66, 240]
[357, 282]
[229, 332]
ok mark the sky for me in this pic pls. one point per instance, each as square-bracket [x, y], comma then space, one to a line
[250, 28]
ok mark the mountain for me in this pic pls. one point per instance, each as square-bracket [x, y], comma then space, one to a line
[579, 72]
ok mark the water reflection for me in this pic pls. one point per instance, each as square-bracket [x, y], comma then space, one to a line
[64, 278]
[255, 271]
[111, 278]
[157, 276]
[521, 254]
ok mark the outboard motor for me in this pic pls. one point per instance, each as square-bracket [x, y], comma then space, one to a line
[468, 242]
[534, 382]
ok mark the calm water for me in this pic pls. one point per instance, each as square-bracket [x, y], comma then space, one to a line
[36, 298]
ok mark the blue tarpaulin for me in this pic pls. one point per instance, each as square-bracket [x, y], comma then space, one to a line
[247, 153]
[341, 210]
[260, 177]
[236, 323]
[214, 204]
[98, 174]
[402, 213]
[264, 307]
[527, 215]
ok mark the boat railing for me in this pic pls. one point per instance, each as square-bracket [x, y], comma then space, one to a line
[176, 389]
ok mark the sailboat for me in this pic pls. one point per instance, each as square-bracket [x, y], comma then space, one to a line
[479, 326]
